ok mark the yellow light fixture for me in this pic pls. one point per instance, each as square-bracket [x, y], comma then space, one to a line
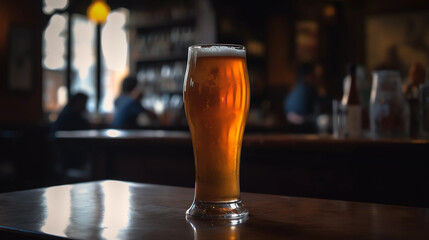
[98, 11]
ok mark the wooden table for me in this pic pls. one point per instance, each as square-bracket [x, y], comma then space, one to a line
[126, 210]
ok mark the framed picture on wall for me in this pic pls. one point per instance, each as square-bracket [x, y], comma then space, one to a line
[397, 41]
[20, 69]
[307, 41]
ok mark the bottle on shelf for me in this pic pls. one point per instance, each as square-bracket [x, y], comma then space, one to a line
[424, 107]
[416, 77]
[351, 104]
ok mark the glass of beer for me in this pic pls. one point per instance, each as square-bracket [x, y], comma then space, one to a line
[216, 96]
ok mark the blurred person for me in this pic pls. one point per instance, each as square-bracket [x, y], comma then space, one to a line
[72, 117]
[305, 101]
[128, 106]
[72, 161]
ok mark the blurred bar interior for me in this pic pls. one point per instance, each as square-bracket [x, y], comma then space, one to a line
[50, 50]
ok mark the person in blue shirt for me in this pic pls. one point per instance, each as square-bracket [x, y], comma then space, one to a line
[128, 106]
[302, 103]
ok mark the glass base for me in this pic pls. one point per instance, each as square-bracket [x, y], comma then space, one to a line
[216, 210]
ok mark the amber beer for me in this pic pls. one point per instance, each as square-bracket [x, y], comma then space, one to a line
[216, 97]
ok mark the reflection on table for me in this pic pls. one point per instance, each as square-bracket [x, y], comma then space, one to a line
[126, 210]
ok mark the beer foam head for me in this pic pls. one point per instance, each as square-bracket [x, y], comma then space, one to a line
[219, 51]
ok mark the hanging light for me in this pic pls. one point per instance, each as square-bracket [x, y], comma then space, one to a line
[98, 11]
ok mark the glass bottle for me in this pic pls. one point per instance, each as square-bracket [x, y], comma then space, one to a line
[351, 105]
[389, 112]
[424, 107]
[416, 77]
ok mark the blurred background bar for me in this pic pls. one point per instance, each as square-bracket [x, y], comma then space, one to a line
[63, 65]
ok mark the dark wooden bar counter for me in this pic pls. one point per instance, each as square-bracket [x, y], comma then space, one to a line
[389, 171]
[126, 210]
[113, 136]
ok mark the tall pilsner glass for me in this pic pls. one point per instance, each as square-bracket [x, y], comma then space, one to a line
[216, 96]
